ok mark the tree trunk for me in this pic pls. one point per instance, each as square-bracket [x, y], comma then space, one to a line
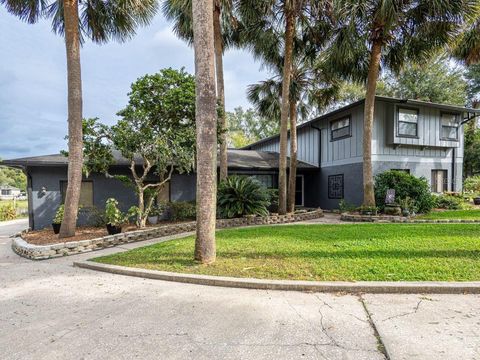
[287, 72]
[293, 157]
[222, 119]
[75, 139]
[373, 70]
[206, 128]
[141, 220]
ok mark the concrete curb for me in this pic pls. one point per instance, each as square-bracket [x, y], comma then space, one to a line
[372, 287]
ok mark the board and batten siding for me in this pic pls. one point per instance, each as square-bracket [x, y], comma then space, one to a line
[386, 146]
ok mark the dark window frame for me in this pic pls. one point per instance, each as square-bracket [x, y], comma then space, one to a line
[349, 117]
[62, 194]
[337, 197]
[443, 126]
[399, 108]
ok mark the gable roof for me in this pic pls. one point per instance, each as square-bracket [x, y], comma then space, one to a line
[237, 159]
[360, 102]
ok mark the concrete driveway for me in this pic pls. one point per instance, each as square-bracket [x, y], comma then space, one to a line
[51, 310]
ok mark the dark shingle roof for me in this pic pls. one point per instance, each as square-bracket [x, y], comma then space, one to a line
[237, 159]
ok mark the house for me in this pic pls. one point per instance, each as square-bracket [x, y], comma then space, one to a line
[421, 138]
[424, 139]
[9, 192]
[47, 183]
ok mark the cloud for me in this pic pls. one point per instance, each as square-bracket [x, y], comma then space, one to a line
[167, 38]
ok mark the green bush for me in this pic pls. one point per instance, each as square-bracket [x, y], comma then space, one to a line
[182, 210]
[59, 215]
[450, 202]
[242, 195]
[472, 184]
[405, 185]
[7, 212]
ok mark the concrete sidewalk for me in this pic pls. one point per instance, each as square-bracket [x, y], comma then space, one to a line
[51, 310]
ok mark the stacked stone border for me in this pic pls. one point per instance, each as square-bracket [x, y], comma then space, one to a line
[42, 252]
[400, 219]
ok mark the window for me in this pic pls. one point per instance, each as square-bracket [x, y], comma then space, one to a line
[299, 190]
[340, 128]
[5, 192]
[265, 179]
[439, 181]
[449, 129]
[86, 193]
[335, 187]
[407, 122]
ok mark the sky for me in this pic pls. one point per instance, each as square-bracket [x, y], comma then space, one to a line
[33, 89]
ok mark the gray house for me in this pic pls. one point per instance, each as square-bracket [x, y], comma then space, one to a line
[424, 139]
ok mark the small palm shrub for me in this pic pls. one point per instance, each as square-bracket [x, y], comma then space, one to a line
[405, 185]
[242, 195]
[59, 215]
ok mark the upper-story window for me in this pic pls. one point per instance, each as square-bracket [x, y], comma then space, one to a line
[449, 129]
[407, 122]
[340, 128]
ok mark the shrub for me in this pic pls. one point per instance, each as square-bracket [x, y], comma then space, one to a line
[182, 210]
[450, 202]
[7, 212]
[242, 195]
[472, 184]
[273, 198]
[59, 215]
[405, 185]
[344, 206]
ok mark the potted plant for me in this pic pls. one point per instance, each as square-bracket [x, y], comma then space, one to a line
[153, 215]
[114, 217]
[407, 206]
[57, 220]
[476, 199]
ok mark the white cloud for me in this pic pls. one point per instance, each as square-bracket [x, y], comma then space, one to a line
[167, 38]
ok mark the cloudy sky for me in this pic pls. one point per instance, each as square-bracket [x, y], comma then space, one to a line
[33, 80]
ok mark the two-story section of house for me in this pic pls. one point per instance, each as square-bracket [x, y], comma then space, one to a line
[424, 139]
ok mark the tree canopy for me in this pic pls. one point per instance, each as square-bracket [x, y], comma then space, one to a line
[156, 134]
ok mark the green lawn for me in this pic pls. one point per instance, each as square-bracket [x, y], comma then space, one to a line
[452, 215]
[449, 252]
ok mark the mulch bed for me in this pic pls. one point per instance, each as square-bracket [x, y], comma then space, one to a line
[47, 236]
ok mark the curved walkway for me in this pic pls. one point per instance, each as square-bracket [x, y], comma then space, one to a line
[51, 310]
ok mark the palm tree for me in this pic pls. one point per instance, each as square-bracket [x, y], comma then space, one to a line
[224, 24]
[265, 25]
[76, 20]
[467, 45]
[309, 92]
[206, 127]
[371, 34]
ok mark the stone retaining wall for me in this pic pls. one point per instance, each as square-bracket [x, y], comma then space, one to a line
[41, 252]
[399, 219]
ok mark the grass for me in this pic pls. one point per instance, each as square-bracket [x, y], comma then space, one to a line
[452, 215]
[447, 252]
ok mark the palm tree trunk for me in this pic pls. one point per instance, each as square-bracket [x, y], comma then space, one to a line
[293, 157]
[287, 72]
[75, 140]
[222, 120]
[373, 70]
[206, 128]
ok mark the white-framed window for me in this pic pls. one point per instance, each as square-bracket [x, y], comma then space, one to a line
[340, 128]
[449, 129]
[407, 122]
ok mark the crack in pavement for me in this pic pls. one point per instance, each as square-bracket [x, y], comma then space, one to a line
[380, 344]
[415, 309]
